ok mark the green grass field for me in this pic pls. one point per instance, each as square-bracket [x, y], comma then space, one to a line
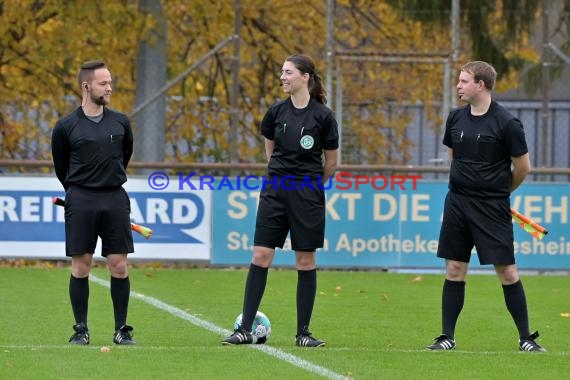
[376, 325]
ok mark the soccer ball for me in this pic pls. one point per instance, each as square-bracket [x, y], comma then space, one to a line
[261, 327]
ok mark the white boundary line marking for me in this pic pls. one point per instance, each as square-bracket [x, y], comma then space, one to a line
[277, 353]
[34, 347]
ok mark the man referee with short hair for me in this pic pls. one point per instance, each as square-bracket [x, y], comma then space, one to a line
[91, 149]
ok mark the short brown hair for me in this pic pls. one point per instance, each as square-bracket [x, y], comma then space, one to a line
[481, 71]
[86, 70]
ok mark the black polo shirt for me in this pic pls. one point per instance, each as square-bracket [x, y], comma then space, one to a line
[300, 135]
[482, 150]
[90, 154]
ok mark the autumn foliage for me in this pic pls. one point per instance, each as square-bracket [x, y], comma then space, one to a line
[42, 43]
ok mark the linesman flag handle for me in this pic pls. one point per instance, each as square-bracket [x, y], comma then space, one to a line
[529, 225]
[141, 230]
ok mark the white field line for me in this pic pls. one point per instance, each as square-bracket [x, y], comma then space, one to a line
[281, 355]
[37, 347]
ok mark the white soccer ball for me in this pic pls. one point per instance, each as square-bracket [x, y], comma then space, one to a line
[261, 327]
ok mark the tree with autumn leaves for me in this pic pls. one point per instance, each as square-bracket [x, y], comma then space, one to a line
[42, 43]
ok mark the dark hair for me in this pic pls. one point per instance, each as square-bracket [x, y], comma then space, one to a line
[305, 64]
[86, 70]
[481, 71]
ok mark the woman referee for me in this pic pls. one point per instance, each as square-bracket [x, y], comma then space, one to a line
[297, 132]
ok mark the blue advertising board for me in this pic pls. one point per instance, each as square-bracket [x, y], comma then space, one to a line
[391, 228]
[32, 226]
[213, 219]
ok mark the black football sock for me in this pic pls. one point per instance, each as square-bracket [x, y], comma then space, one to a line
[79, 296]
[452, 299]
[120, 292]
[254, 289]
[516, 304]
[306, 293]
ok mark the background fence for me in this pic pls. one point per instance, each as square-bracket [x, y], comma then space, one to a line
[426, 148]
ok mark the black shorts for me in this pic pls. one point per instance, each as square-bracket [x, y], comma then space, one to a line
[483, 223]
[92, 213]
[298, 211]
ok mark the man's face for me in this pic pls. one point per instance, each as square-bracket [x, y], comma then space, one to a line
[467, 89]
[100, 89]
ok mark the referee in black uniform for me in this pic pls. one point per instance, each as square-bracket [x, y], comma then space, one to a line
[489, 160]
[298, 132]
[91, 149]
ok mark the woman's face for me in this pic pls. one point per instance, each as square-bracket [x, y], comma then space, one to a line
[292, 79]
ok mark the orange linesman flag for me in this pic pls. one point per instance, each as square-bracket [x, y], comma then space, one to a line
[529, 225]
[144, 231]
